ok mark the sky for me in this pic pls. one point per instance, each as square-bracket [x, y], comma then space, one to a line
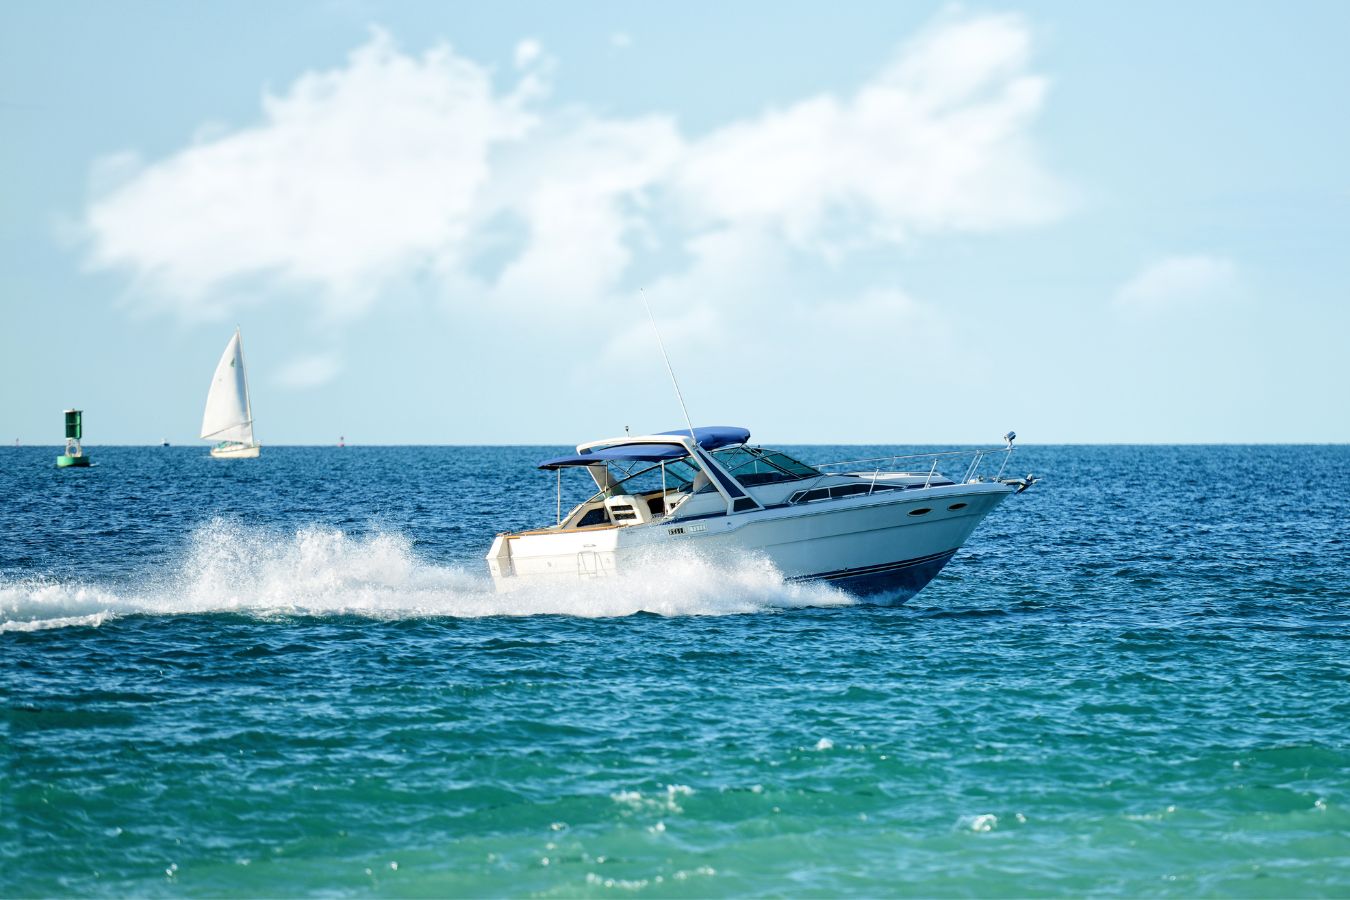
[854, 223]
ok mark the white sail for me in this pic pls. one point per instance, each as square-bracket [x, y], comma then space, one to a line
[228, 416]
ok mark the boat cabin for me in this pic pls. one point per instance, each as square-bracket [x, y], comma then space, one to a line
[677, 474]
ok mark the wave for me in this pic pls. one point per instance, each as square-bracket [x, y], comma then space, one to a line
[322, 572]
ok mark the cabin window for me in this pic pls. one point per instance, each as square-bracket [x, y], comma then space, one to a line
[595, 516]
[921, 511]
[957, 506]
[843, 490]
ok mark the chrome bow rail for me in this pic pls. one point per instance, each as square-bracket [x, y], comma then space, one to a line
[980, 459]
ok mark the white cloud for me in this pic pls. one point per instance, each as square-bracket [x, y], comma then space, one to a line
[620, 40]
[936, 141]
[307, 372]
[575, 187]
[395, 166]
[527, 51]
[353, 175]
[1178, 282]
[738, 301]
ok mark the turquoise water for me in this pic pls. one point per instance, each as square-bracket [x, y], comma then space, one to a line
[291, 676]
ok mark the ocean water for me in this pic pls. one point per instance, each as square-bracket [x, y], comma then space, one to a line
[291, 676]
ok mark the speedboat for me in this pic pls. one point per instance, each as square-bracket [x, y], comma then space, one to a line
[879, 528]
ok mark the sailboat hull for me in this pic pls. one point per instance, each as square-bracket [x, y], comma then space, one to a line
[237, 451]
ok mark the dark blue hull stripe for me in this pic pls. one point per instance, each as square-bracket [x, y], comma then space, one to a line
[895, 581]
[877, 569]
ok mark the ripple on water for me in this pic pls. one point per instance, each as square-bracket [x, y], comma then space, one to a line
[1099, 696]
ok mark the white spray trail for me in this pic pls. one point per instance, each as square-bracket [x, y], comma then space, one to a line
[324, 571]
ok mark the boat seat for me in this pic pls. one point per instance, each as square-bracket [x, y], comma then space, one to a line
[625, 509]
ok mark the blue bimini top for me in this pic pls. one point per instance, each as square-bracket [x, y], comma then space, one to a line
[709, 437]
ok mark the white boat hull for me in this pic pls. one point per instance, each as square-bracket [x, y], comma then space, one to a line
[878, 545]
[237, 451]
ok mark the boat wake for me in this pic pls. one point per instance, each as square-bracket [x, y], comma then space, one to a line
[322, 572]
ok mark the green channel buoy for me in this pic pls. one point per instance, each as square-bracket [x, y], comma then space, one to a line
[74, 455]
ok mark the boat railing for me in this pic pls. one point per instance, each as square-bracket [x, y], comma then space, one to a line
[977, 463]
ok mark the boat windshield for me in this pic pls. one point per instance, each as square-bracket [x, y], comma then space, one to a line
[753, 466]
[644, 477]
[750, 466]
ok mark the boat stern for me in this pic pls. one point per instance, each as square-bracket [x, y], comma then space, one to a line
[499, 560]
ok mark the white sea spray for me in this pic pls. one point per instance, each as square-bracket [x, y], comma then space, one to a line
[233, 568]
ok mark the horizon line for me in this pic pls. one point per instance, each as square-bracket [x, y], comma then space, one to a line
[1019, 444]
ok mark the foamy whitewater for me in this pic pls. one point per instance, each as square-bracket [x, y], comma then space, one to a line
[318, 571]
[291, 676]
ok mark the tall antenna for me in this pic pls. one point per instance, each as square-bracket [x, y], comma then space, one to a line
[669, 369]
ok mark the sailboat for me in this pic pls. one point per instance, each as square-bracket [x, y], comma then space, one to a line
[228, 419]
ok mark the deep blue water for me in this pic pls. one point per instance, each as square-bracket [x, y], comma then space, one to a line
[291, 676]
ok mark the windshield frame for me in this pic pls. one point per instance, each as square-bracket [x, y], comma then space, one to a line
[781, 464]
